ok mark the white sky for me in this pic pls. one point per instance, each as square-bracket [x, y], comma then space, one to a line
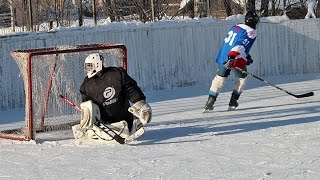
[271, 136]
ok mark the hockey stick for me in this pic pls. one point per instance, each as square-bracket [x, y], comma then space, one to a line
[111, 132]
[270, 84]
[69, 102]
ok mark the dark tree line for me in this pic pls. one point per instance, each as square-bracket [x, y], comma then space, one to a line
[32, 13]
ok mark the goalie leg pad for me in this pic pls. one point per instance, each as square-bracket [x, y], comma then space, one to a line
[90, 129]
[90, 112]
[100, 132]
[136, 125]
[120, 128]
[217, 84]
[83, 133]
[78, 132]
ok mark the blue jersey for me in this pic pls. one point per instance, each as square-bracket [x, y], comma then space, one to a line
[240, 39]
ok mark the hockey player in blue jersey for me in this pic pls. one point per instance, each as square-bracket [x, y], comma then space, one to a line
[234, 54]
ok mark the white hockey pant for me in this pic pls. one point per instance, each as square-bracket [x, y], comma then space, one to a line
[239, 85]
[217, 84]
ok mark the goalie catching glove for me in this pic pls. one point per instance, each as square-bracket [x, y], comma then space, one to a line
[141, 110]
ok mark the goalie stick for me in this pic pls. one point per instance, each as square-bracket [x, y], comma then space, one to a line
[116, 136]
[110, 131]
[270, 84]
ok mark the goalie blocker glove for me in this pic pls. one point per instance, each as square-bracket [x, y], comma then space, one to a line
[141, 110]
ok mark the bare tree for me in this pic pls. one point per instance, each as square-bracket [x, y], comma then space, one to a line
[200, 7]
[80, 20]
[251, 5]
[13, 17]
[274, 7]
[264, 7]
[110, 9]
[227, 5]
[25, 13]
[94, 11]
[318, 10]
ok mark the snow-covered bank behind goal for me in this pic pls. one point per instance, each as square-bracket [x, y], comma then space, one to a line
[49, 73]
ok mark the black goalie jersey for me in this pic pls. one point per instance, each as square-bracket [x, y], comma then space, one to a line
[112, 90]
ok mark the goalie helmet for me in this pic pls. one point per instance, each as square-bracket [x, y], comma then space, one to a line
[252, 19]
[93, 64]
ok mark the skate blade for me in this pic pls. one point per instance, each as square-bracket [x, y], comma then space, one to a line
[232, 108]
[207, 111]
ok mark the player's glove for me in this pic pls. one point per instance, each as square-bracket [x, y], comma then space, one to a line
[233, 63]
[249, 60]
[141, 110]
[229, 62]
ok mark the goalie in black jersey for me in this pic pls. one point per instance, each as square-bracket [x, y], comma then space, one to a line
[107, 93]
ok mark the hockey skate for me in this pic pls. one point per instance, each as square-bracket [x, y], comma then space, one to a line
[209, 105]
[233, 104]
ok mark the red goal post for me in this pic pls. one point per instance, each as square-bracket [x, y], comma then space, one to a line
[47, 74]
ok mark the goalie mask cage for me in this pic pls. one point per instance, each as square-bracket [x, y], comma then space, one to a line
[50, 74]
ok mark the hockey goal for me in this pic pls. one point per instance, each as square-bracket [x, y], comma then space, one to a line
[52, 78]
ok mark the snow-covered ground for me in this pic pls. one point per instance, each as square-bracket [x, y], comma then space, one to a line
[272, 135]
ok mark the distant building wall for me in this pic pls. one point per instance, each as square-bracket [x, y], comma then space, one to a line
[164, 55]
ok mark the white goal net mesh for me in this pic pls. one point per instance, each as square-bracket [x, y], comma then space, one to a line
[52, 79]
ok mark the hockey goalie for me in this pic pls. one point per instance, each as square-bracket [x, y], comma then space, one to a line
[107, 94]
